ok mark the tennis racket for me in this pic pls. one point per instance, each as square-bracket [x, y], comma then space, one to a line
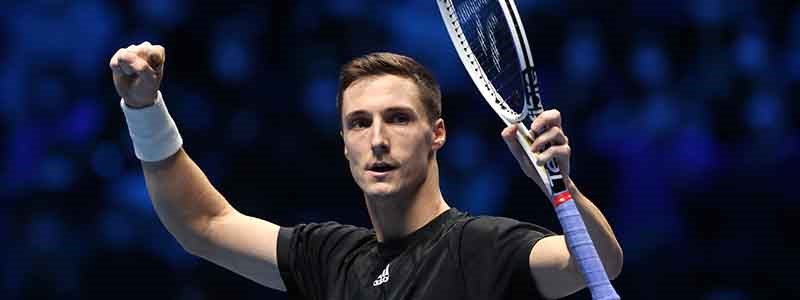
[491, 42]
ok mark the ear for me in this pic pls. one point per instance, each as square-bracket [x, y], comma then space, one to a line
[439, 134]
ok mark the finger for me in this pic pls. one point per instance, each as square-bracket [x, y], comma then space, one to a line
[156, 56]
[124, 60]
[114, 61]
[561, 152]
[131, 64]
[135, 49]
[153, 54]
[509, 135]
[551, 137]
[545, 120]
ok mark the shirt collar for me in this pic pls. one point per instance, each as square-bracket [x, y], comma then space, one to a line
[393, 248]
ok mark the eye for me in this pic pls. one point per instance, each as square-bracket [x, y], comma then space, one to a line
[399, 118]
[357, 123]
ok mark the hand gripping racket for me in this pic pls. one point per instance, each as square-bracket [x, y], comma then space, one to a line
[491, 42]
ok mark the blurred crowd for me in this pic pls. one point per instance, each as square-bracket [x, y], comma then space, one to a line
[682, 115]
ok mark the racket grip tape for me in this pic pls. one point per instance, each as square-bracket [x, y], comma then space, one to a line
[582, 248]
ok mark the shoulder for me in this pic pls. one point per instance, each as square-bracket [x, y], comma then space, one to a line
[311, 255]
[493, 225]
[493, 254]
[324, 233]
[490, 233]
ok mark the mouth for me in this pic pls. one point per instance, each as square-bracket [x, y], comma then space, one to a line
[381, 168]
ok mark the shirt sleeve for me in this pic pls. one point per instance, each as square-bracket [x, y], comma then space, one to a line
[494, 257]
[311, 255]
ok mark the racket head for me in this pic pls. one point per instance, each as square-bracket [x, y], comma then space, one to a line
[490, 41]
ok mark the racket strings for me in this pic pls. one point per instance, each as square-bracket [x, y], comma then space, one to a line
[493, 48]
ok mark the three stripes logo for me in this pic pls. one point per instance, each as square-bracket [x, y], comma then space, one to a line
[383, 278]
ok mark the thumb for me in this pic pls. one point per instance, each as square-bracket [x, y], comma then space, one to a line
[156, 56]
[510, 137]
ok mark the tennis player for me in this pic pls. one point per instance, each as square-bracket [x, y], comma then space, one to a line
[418, 248]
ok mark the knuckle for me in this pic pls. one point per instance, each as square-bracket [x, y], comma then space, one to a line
[156, 49]
[535, 145]
[115, 56]
[130, 56]
[553, 133]
[136, 66]
[544, 157]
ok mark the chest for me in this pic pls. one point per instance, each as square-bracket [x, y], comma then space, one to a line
[422, 273]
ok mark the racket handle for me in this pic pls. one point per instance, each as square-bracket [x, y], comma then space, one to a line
[582, 248]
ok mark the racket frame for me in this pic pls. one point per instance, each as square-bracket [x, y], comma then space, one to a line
[531, 109]
[575, 232]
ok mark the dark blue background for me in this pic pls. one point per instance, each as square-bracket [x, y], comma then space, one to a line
[682, 115]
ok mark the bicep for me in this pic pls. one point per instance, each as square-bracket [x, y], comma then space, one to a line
[553, 268]
[245, 245]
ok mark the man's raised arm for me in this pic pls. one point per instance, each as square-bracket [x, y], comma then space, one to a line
[193, 211]
[552, 264]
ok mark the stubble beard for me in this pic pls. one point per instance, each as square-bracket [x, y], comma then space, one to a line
[401, 191]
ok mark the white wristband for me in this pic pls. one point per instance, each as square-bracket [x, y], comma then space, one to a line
[153, 132]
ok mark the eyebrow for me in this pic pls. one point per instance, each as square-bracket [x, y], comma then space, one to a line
[393, 109]
[354, 114]
[396, 109]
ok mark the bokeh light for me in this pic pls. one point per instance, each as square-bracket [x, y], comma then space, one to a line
[682, 116]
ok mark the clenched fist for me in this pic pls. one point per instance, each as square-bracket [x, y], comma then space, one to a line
[137, 72]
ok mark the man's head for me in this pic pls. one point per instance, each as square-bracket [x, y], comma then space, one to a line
[385, 63]
[390, 109]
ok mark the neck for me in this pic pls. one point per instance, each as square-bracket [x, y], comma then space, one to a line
[400, 215]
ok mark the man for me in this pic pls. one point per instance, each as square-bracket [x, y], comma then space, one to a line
[419, 247]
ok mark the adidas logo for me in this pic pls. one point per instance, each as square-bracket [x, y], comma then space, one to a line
[383, 278]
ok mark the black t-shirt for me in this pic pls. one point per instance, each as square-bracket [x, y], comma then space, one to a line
[455, 256]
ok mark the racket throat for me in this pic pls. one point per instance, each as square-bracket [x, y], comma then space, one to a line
[525, 140]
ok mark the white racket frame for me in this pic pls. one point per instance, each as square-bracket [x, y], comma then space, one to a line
[487, 89]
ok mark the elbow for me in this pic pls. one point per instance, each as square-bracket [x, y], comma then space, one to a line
[198, 237]
[614, 267]
[192, 245]
[193, 240]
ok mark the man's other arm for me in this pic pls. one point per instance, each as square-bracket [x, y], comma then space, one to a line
[206, 225]
[193, 211]
[552, 265]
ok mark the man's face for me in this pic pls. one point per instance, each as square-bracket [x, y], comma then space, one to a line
[388, 139]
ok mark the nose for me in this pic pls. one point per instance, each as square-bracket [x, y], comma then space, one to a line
[379, 142]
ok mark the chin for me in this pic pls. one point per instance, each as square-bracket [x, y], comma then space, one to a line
[381, 190]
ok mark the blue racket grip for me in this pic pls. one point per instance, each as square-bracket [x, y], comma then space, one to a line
[581, 246]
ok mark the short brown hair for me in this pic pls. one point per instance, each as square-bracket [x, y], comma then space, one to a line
[385, 63]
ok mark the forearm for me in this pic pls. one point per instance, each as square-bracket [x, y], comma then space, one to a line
[600, 231]
[206, 225]
[183, 198]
